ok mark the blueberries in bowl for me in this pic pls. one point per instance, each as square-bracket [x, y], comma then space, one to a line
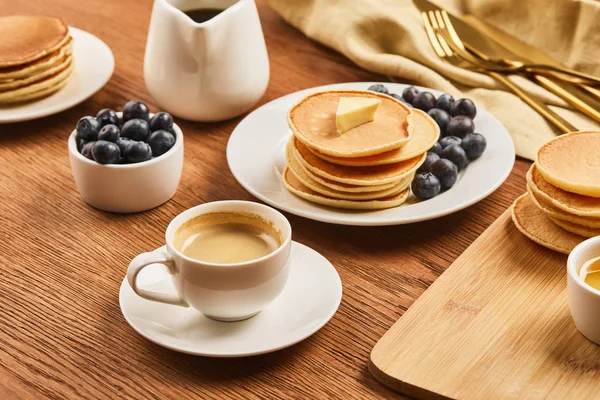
[424, 101]
[425, 186]
[136, 129]
[441, 117]
[135, 109]
[457, 155]
[107, 116]
[378, 88]
[460, 126]
[134, 137]
[88, 128]
[463, 107]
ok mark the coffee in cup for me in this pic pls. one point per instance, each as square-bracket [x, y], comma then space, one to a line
[227, 259]
[227, 237]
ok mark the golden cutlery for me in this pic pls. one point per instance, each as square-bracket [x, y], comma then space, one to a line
[455, 54]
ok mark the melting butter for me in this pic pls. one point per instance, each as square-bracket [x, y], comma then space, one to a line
[355, 111]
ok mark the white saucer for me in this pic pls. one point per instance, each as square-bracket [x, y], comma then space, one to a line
[94, 65]
[310, 298]
[256, 157]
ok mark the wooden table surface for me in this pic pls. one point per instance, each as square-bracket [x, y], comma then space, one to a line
[62, 334]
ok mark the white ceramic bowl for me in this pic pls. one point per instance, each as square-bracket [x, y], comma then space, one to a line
[584, 300]
[126, 188]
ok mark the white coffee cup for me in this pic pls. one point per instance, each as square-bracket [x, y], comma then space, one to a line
[225, 292]
[584, 300]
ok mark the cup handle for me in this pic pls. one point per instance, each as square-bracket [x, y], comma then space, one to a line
[143, 260]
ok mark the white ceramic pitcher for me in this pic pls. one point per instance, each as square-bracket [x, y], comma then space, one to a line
[208, 71]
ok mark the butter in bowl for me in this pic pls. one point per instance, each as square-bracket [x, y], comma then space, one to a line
[126, 162]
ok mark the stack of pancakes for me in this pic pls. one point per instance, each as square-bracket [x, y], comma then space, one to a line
[35, 57]
[369, 167]
[562, 204]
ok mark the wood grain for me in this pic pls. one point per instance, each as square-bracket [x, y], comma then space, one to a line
[61, 332]
[496, 325]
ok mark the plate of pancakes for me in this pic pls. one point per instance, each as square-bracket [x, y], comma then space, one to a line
[562, 205]
[289, 154]
[47, 67]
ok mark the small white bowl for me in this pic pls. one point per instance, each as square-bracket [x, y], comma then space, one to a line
[584, 300]
[127, 188]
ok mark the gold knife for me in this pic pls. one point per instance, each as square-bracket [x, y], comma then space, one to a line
[496, 43]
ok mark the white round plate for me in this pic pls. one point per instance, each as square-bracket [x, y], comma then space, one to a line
[94, 65]
[310, 298]
[256, 157]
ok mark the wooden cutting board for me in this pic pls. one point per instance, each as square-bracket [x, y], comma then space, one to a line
[495, 325]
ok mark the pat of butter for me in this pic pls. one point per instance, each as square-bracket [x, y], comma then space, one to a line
[355, 111]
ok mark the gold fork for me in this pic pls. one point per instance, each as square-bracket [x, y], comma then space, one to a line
[581, 102]
[453, 54]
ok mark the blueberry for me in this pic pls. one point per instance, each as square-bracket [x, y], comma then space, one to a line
[80, 143]
[136, 129]
[460, 126]
[424, 101]
[88, 128]
[86, 150]
[161, 120]
[135, 109]
[463, 107]
[105, 152]
[425, 186]
[160, 142]
[457, 155]
[441, 117]
[474, 145]
[378, 88]
[429, 159]
[107, 116]
[138, 152]
[410, 93]
[436, 148]
[444, 102]
[446, 171]
[123, 144]
[449, 141]
[110, 133]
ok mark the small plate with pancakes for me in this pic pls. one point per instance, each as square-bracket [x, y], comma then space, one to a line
[288, 154]
[47, 67]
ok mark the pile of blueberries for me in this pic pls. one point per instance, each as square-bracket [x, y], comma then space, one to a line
[458, 144]
[132, 138]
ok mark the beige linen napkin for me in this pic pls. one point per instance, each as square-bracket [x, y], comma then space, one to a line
[387, 37]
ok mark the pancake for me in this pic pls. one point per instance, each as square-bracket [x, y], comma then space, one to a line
[39, 89]
[572, 203]
[576, 229]
[34, 67]
[572, 162]
[362, 176]
[294, 185]
[558, 214]
[534, 224]
[312, 120]
[17, 83]
[26, 38]
[425, 133]
[309, 182]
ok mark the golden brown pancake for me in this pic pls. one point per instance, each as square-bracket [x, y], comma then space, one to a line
[572, 162]
[576, 229]
[534, 224]
[300, 173]
[294, 185]
[571, 203]
[425, 133]
[34, 67]
[312, 120]
[39, 89]
[364, 176]
[26, 38]
[558, 214]
[22, 82]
